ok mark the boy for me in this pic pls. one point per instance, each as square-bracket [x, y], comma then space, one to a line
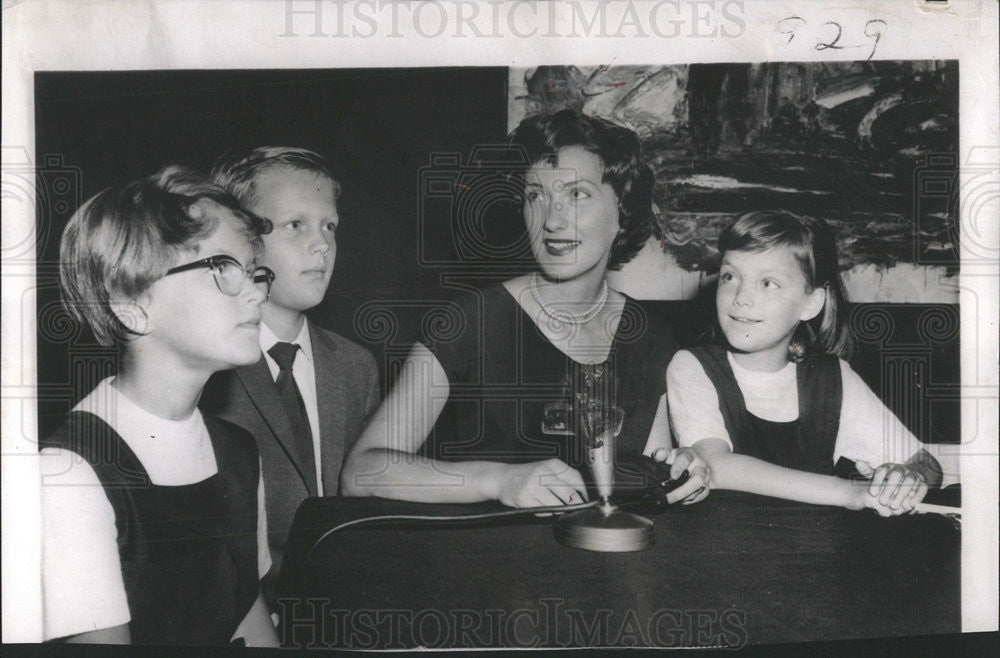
[308, 398]
[153, 522]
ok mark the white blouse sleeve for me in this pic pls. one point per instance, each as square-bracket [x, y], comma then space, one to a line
[868, 431]
[263, 551]
[82, 585]
[693, 402]
[871, 433]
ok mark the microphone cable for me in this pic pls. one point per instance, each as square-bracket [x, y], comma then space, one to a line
[549, 509]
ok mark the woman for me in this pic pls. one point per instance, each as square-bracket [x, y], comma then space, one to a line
[490, 414]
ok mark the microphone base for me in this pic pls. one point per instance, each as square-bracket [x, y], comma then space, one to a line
[605, 529]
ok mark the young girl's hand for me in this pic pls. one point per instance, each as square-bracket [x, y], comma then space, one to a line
[681, 459]
[545, 483]
[894, 488]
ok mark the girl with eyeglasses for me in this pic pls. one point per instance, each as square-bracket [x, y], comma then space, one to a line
[153, 522]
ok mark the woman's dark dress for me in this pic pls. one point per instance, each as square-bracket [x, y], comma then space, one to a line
[507, 383]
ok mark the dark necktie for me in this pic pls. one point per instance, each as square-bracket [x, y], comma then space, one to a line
[284, 355]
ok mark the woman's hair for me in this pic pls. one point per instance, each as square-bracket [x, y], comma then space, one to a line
[812, 243]
[123, 239]
[540, 137]
[238, 173]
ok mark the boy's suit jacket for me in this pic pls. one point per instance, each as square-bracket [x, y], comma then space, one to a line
[347, 392]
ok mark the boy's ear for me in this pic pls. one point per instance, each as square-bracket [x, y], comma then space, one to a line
[814, 304]
[132, 314]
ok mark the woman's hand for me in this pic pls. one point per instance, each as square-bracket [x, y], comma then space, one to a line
[894, 488]
[546, 483]
[685, 459]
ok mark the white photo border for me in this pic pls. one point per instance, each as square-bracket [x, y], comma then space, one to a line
[105, 35]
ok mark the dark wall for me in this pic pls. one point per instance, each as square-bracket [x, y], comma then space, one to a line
[376, 127]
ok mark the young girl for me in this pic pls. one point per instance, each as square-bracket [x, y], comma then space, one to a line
[153, 526]
[774, 409]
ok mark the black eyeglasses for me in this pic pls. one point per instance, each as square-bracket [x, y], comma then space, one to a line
[229, 275]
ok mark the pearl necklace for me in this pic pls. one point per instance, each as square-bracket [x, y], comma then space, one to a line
[565, 316]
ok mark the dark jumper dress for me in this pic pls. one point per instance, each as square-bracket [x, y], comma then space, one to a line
[188, 552]
[505, 378]
[806, 443]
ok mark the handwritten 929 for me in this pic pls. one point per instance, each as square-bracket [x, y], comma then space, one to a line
[831, 35]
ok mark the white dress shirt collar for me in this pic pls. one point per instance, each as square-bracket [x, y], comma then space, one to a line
[268, 339]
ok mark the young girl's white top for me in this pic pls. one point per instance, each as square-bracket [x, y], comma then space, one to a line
[82, 583]
[868, 431]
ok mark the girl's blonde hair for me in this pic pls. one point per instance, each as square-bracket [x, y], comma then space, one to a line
[124, 238]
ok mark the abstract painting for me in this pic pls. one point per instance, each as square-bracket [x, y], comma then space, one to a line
[856, 143]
